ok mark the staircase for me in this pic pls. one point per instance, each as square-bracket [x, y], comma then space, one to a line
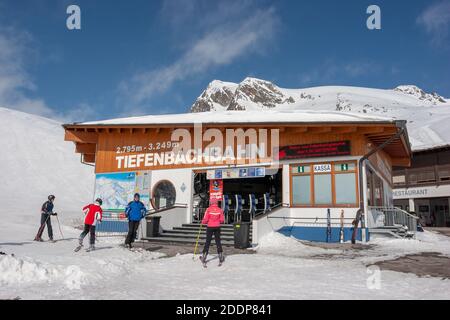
[392, 221]
[187, 234]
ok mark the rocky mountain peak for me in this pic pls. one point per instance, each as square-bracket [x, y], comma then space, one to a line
[230, 96]
[420, 94]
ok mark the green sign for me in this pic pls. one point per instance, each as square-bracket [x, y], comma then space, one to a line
[344, 167]
[301, 169]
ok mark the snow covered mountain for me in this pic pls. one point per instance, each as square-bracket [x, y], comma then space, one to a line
[427, 113]
[36, 161]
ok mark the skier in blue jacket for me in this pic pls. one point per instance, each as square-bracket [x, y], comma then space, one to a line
[135, 211]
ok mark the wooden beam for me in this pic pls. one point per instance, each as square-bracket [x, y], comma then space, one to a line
[339, 130]
[370, 130]
[89, 157]
[85, 147]
[298, 130]
[401, 162]
[81, 136]
[321, 129]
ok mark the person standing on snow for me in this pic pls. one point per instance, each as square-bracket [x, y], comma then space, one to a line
[93, 213]
[135, 211]
[213, 218]
[46, 212]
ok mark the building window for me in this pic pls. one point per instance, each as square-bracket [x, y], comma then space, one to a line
[301, 190]
[324, 184]
[399, 180]
[345, 182]
[322, 189]
[164, 195]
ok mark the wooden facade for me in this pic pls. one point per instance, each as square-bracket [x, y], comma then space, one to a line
[101, 144]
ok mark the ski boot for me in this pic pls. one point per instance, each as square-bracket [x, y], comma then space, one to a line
[221, 258]
[203, 258]
[80, 245]
[38, 239]
[91, 248]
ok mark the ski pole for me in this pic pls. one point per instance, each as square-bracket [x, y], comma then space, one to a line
[142, 236]
[59, 226]
[196, 242]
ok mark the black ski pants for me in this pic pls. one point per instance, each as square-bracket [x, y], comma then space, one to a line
[45, 219]
[209, 233]
[132, 232]
[91, 230]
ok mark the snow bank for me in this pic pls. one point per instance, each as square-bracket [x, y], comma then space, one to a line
[275, 243]
[14, 271]
[426, 241]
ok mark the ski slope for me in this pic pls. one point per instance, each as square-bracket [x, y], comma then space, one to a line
[36, 161]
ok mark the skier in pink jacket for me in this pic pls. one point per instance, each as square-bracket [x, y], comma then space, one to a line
[213, 218]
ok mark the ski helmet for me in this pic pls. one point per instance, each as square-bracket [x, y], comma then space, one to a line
[99, 201]
[51, 197]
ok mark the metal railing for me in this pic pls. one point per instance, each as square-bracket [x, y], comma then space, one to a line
[379, 217]
[115, 223]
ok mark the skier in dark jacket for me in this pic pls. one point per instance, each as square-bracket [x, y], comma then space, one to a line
[135, 211]
[46, 212]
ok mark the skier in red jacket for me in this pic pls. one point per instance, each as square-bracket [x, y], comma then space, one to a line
[93, 214]
[213, 218]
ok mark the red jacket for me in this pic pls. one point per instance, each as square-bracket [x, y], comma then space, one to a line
[93, 213]
[213, 217]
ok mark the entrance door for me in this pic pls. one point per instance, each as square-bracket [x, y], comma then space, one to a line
[439, 211]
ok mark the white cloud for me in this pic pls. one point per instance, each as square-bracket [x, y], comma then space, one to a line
[221, 44]
[14, 79]
[16, 84]
[436, 21]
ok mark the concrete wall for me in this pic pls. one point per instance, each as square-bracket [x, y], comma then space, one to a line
[265, 225]
[178, 177]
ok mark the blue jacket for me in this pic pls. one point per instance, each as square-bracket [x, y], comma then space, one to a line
[135, 211]
[47, 207]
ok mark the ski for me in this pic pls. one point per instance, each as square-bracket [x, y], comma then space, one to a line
[78, 248]
[203, 261]
[341, 231]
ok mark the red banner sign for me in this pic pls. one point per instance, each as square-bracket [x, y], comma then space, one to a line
[339, 148]
[215, 189]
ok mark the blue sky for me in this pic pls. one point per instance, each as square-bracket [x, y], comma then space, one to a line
[151, 57]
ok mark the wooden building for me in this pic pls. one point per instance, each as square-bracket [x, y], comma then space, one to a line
[315, 170]
[424, 188]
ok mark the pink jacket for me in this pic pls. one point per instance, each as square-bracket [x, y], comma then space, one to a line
[213, 217]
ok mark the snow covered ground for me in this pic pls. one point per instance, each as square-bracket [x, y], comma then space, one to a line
[39, 162]
[283, 268]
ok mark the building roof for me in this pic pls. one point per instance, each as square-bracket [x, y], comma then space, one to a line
[235, 117]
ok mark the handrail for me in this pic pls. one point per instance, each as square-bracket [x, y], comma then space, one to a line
[263, 213]
[396, 209]
[167, 208]
[304, 218]
[393, 217]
